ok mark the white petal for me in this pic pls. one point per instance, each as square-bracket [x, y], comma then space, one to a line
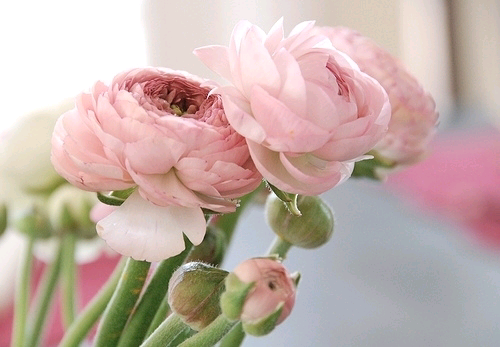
[145, 231]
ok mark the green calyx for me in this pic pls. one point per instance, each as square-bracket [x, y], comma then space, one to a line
[264, 325]
[233, 299]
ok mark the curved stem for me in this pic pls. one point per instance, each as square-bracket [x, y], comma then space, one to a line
[87, 318]
[234, 337]
[166, 333]
[45, 292]
[211, 334]
[160, 316]
[22, 296]
[69, 272]
[144, 312]
[279, 247]
[122, 303]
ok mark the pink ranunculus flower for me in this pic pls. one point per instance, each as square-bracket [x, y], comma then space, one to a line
[307, 111]
[161, 131]
[414, 115]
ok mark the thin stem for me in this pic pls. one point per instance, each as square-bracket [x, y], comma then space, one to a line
[144, 312]
[160, 316]
[22, 296]
[211, 334]
[122, 303]
[228, 221]
[44, 295]
[87, 318]
[279, 247]
[167, 332]
[69, 272]
[234, 337]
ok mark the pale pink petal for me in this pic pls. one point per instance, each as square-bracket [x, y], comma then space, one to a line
[285, 131]
[275, 36]
[144, 231]
[257, 66]
[216, 58]
[238, 113]
[154, 155]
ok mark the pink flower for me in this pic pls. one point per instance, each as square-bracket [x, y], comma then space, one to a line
[273, 286]
[414, 113]
[161, 131]
[305, 109]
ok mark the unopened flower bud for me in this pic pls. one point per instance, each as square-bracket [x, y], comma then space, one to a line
[313, 229]
[212, 249]
[69, 211]
[194, 293]
[260, 293]
[34, 222]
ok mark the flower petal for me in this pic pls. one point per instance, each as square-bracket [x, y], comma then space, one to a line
[149, 232]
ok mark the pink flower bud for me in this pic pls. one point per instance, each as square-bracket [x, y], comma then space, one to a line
[273, 286]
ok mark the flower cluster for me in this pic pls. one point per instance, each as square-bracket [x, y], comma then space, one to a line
[298, 111]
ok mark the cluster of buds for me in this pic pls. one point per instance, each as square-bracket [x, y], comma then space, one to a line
[259, 292]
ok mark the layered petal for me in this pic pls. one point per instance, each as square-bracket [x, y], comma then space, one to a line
[299, 97]
[149, 232]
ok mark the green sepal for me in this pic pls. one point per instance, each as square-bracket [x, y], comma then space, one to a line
[296, 277]
[123, 194]
[116, 198]
[233, 299]
[109, 199]
[264, 325]
[368, 167]
[290, 200]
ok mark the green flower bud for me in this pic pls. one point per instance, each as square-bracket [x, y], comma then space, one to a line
[3, 218]
[313, 229]
[212, 249]
[69, 211]
[34, 222]
[25, 150]
[194, 292]
[260, 293]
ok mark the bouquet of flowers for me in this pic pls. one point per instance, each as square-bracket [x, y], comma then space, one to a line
[175, 159]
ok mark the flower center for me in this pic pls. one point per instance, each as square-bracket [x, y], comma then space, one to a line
[176, 96]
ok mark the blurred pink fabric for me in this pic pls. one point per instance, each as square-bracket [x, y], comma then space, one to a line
[91, 277]
[460, 180]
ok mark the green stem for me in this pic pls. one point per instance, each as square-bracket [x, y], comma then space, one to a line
[87, 318]
[279, 247]
[45, 292]
[228, 221]
[144, 312]
[122, 303]
[211, 334]
[69, 272]
[234, 338]
[160, 316]
[22, 296]
[167, 332]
